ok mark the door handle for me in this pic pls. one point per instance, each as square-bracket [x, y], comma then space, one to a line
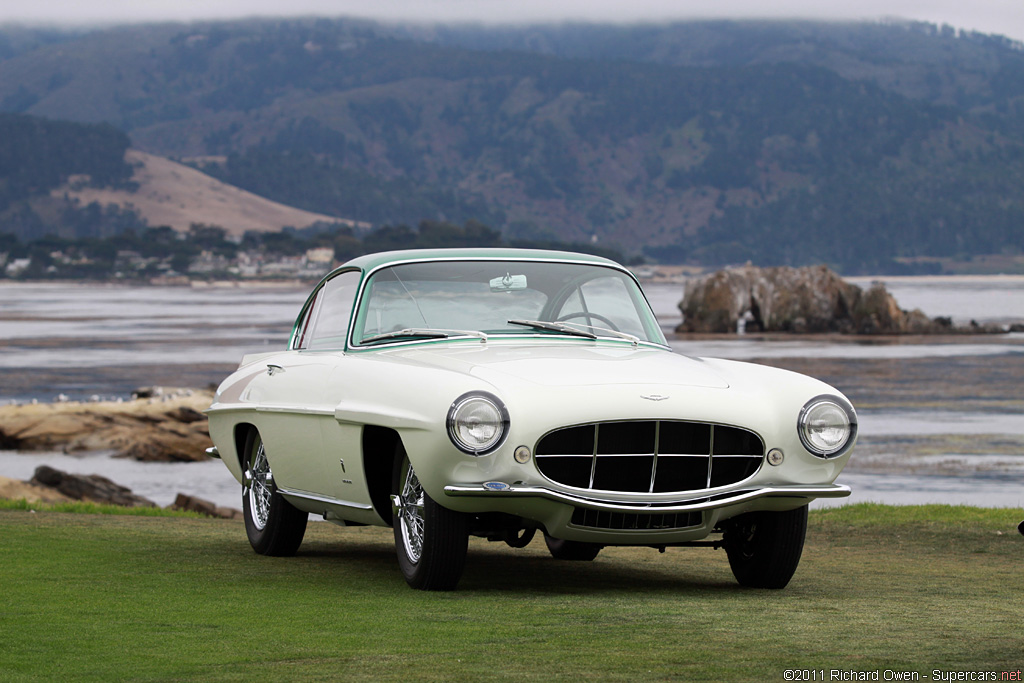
[274, 369]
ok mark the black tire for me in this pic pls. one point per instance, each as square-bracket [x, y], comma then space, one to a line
[764, 548]
[274, 526]
[431, 541]
[576, 551]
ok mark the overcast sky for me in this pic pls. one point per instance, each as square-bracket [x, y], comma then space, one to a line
[1004, 17]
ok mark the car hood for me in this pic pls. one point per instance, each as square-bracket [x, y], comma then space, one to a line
[563, 366]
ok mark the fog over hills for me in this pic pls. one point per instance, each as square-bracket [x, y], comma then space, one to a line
[778, 142]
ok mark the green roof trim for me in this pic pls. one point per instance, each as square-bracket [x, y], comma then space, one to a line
[372, 261]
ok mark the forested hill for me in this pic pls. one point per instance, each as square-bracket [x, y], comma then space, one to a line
[37, 155]
[853, 144]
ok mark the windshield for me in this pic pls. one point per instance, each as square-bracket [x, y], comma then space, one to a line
[459, 298]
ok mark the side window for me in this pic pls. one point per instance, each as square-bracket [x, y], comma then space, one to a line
[306, 326]
[332, 312]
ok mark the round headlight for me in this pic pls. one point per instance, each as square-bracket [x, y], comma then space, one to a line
[477, 423]
[826, 425]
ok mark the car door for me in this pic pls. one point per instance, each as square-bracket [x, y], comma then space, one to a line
[296, 403]
[290, 407]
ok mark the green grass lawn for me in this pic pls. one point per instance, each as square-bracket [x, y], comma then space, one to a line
[104, 597]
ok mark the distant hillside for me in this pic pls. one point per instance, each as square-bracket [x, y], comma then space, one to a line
[854, 144]
[79, 180]
[920, 61]
[169, 193]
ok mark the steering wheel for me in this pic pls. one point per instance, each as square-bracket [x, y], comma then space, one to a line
[594, 316]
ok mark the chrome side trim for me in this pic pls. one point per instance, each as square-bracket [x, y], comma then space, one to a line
[217, 408]
[324, 499]
[291, 410]
[213, 452]
[701, 503]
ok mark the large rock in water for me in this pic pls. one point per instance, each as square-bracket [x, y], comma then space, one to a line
[802, 300]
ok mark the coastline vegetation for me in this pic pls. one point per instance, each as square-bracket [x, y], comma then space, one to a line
[93, 597]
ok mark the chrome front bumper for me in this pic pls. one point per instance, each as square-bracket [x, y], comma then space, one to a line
[693, 505]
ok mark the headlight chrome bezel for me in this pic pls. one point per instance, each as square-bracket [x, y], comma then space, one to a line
[458, 411]
[814, 407]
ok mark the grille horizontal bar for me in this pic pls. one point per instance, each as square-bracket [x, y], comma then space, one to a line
[649, 456]
[603, 519]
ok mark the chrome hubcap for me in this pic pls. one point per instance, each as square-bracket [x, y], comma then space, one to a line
[260, 481]
[410, 514]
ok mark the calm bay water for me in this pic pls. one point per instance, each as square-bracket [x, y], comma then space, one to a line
[103, 340]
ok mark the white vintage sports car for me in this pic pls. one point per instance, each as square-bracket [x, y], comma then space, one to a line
[500, 392]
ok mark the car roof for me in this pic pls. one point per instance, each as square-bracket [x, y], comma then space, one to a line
[372, 261]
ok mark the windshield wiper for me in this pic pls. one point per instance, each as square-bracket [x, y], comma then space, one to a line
[553, 327]
[424, 333]
[614, 333]
[573, 328]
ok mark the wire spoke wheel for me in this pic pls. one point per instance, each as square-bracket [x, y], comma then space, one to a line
[273, 525]
[430, 540]
[411, 515]
[259, 479]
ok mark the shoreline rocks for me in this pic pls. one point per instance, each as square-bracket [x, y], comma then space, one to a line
[158, 425]
[204, 507]
[49, 485]
[164, 427]
[806, 300]
[91, 488]
[15, 489]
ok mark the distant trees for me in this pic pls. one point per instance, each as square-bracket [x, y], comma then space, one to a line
[37, 155]
[163, 250]
[320, 182]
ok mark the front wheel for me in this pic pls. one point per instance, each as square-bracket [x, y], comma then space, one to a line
[431, 540]
[274, 526]
[764, 548]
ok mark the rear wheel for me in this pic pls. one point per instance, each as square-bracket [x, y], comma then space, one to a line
[274, 526]
[764, 548]
[431, 541]
[579, 551]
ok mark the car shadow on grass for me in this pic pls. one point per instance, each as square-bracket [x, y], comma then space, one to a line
[492, 568]
[496, 570]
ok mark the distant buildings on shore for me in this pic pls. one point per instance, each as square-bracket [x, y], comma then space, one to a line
[131, 266]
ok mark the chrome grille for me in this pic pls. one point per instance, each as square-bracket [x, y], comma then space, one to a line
[649, 456]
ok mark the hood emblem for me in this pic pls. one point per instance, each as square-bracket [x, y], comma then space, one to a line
[653, 397]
